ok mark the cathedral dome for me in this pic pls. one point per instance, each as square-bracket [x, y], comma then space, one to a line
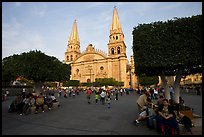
[90, 48]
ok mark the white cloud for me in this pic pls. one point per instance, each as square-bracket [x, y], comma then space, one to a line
[95, 4]
[16, 40]
[18, 4]
[170, 6]
[39, 10]
[93, 22]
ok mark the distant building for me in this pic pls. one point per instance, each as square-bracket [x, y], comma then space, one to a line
[192, 79]
[93, 63]
[187, 80]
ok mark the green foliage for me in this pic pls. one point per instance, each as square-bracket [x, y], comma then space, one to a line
[174, 46]
[103, 82]
[35, 66]
[120, 84]
[148, 80]
[50, 84]
[87, 84]
[71, 83]
[96, 84]
[106, 81]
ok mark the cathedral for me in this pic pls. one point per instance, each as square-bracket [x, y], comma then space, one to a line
[93, 63]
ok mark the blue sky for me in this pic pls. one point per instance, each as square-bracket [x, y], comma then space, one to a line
[46, 26]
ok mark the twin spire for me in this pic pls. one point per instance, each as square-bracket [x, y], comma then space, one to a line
[115, 21]
[74, 35]
[114, 28]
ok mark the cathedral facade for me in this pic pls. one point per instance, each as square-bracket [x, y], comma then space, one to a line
[93, 63]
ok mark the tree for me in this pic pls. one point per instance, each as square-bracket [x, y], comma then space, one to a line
[148, 80]
[71, 83]
[171, 48]
[103, 82]
[87, 84]
[35, 66]
[107, 82]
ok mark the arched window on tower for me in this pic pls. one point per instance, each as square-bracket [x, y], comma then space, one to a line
[101, 68]
[118, 49]
[67, 57]
[71, 57]
[77, 71]
[112, 50]
[88, 80]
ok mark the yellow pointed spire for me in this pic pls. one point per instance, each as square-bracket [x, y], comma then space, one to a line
[74, 35]
[115, 26]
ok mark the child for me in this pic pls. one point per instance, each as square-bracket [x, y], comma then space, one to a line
[97, 97]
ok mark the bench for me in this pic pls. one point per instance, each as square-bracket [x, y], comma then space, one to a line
[196, 129]
[54, 106]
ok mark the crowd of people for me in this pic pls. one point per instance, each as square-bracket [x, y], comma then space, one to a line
[104, 96]
[24, 101]
[5, 95]
[165, 112]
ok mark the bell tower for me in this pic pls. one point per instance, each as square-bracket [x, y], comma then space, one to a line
[73, 47]
[116, 45]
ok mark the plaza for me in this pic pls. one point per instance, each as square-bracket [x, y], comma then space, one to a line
[76, 117]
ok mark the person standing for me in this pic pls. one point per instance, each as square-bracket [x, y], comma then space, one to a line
[116, 94]
[88, 95]
[26, 105]
[74, 93]
[171, 90]
[49, 101]
[65, 94]
[60, 93]
[24, 93]
[96, 97]
[103, 95]
[70, 92]
[7, 93]
[121, 92]
[108, 99]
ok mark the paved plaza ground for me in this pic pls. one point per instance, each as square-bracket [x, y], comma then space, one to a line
[76, 117]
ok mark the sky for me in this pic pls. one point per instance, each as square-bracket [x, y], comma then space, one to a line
[46, 26]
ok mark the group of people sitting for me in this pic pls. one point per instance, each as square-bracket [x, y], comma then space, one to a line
[23, 103]
[165, 113]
